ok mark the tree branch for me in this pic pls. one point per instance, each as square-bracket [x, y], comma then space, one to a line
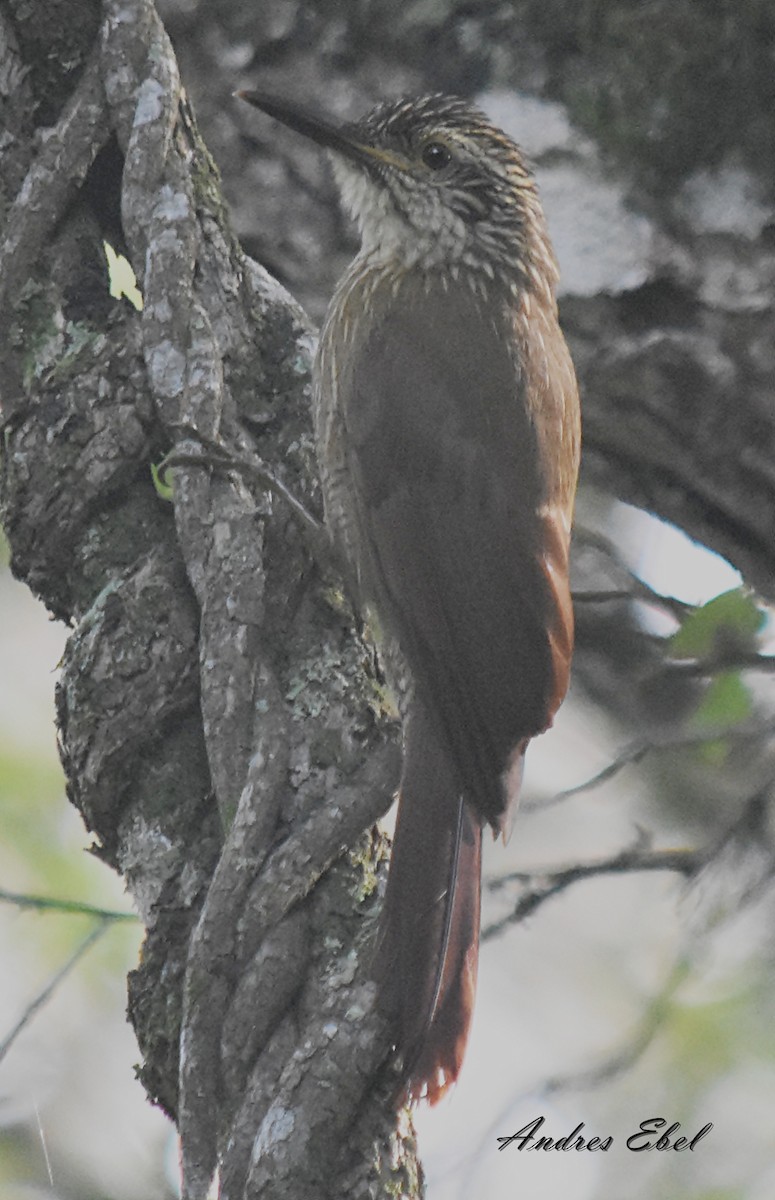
[543, 885]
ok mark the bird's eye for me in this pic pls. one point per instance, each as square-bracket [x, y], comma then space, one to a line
[436, 155]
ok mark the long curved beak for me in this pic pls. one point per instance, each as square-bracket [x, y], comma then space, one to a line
[319, 130]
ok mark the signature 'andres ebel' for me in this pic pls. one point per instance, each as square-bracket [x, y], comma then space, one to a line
[655, 1133]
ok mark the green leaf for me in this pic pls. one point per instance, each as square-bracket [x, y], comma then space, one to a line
[163, 489]
[727, 701]
[729, 621]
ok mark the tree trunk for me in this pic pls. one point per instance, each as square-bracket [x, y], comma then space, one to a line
[217, 725]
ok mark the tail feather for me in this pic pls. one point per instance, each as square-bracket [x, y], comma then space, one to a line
[429, 939]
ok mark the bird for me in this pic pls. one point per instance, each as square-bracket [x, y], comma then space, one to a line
[447, 423]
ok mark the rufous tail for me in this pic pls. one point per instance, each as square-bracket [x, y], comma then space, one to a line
[429, 937]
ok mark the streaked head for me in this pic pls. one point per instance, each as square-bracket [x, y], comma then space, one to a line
[432, 182]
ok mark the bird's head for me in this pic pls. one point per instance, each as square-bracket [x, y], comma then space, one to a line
[431, 182]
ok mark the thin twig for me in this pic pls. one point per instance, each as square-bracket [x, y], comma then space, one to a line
[639, 590]
[47, 992]
[219, 457]
[76, 907]
[605, 596]
[633, 1047]
[743, 732]
[542, 885]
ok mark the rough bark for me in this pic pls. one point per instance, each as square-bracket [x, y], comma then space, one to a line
[217, 725]
[221, 728]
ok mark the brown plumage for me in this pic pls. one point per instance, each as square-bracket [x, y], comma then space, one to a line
[448, 435]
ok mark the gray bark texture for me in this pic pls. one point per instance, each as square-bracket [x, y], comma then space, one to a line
[221, 719]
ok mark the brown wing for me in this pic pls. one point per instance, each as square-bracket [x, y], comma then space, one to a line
[454, 552]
